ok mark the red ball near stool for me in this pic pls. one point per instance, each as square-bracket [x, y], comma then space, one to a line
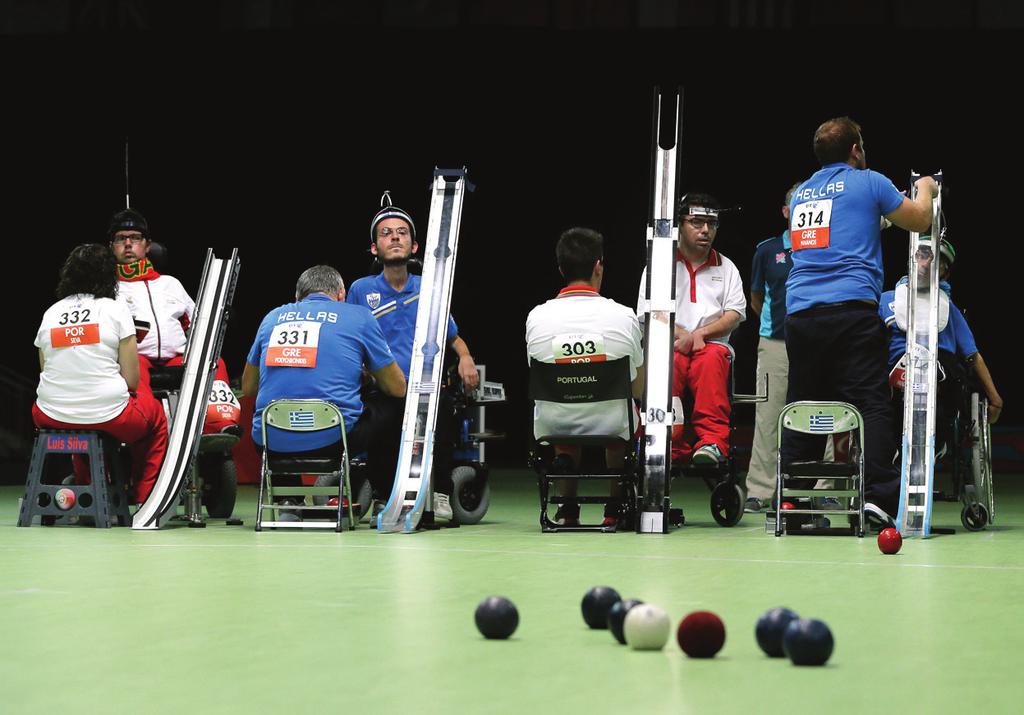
[786, 506]
[64, 498]
[701, 634]
[889, 541]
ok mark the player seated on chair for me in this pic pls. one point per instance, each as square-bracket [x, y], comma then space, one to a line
[956, 341]
[159, 302]
[316, 348]
[392, 296]
[603, 330]
[90, 368]
[709, 305]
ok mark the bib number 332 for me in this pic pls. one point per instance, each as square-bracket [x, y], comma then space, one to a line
[809, 224]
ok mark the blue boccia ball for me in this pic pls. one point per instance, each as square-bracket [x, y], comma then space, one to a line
[807, 642]
[771, 626]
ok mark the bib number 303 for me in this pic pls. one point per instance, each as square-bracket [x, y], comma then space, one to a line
[578, 347]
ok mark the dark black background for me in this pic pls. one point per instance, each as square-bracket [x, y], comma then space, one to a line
[281, 142]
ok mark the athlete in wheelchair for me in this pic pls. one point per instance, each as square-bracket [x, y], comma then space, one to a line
[967, 400]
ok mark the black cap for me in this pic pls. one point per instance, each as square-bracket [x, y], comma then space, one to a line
[387, 210]
[128, 220]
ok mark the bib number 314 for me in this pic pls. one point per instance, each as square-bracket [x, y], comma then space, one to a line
[809, 224]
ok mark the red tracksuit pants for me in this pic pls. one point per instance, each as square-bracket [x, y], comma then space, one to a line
[142, 425]
[215, 421]
[705, 375]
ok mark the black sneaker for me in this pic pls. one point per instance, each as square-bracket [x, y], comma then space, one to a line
[562, 464]
[877, 518]
[752, 506]
[568, 515]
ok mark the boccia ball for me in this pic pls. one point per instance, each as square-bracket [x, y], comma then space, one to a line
[646, 627]
[770, 628]
[807, 642]
[496, 617]
[701, 634]
[596, 604]
[889, 541]
[786, 506]
[617, 615]
[64, 498]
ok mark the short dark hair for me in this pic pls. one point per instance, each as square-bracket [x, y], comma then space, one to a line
[697, 199]
[577, 251]
[90, 268]
[834, 139]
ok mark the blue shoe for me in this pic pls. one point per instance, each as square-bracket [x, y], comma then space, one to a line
[707, 456]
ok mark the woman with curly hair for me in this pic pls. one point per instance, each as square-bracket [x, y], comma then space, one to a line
[89, 364]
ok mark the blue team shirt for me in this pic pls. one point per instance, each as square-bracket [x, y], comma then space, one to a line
[955, 338]
[773, 260]
[349, 337]
[395, 312]
[850, 268]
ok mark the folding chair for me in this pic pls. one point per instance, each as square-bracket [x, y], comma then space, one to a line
[304, 416]
[821, 418]
[583, 384]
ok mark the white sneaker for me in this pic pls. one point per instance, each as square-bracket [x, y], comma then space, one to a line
[876, 517]
[442, 507]
[708, 455]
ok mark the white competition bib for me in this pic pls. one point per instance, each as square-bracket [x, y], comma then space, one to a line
[294, 344]
[809, 224]
[578, 347]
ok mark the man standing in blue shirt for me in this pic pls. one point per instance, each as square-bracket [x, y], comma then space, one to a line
[770, 269]
[316, 348]
[835, 341]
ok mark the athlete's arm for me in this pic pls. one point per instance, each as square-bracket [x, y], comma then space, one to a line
[467, 368]
[916, 214]
[250, 380]
[723, 326]
[128, 361]
[390, 379]
[995, 402]
[756, 303]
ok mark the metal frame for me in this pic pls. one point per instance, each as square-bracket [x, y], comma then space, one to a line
[797, 416]
[325, 416]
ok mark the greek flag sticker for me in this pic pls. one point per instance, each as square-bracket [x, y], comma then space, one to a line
[299, 419]
[821, 423]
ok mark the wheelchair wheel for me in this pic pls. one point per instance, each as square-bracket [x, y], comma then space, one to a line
[364, 498]
[727, 504]
[220, 484]
[974, 517]
[472, 494]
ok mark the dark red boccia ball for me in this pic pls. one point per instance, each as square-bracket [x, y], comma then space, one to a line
[770, 628]
[596, 604]
[890, 541]
[808, 642]
[496, 617]
[617, 617]
[701, 634]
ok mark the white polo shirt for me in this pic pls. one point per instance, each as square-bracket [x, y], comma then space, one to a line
[704, 293]
[81, 381]
[579, 322]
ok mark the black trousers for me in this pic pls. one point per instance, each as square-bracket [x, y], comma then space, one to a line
[839, 353]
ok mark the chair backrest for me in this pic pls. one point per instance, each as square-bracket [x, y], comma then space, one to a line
[811, 417]
[302, 416]
[582, 383]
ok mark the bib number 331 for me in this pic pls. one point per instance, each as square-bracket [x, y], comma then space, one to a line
[294, 344]
[809, 224]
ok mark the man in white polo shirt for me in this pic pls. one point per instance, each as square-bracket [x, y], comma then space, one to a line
[605, 329]
[709, 305]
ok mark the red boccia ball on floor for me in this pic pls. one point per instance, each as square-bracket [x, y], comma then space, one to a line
[701, 634]
[889, 541]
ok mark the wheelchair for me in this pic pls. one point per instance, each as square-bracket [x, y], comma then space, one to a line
[963, 439]
[460, 465]
[727, 492]
[213, 482]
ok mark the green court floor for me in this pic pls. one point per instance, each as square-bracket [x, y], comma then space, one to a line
[225, 620]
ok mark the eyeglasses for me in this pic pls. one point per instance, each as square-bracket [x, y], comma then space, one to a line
[385, 232]
[134, 240]
[711, 223]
